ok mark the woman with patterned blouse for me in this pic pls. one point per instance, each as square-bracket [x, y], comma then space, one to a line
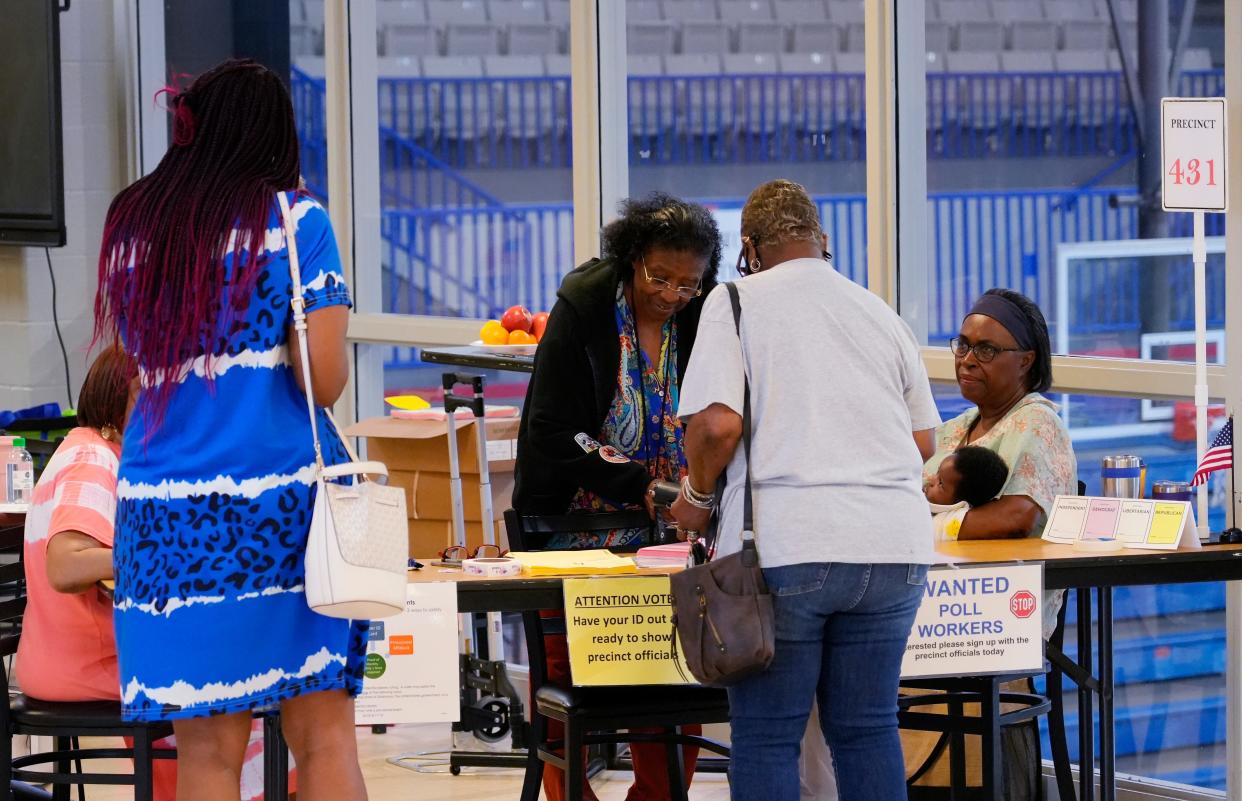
[600, 423]
[1004, 362]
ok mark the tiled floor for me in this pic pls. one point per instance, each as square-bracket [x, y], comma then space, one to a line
[387, 782]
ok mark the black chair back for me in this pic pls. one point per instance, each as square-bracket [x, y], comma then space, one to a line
[532, 532]
[12, 587]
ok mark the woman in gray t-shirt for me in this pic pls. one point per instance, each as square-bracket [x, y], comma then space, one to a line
[842, 417]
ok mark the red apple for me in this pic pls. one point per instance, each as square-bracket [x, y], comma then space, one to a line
[538, 324]
[516, 318]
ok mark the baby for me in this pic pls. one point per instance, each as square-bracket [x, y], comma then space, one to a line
[970, 476]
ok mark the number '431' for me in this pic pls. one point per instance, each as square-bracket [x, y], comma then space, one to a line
[1192, 173]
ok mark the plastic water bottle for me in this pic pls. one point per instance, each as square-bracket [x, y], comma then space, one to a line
[18, 471]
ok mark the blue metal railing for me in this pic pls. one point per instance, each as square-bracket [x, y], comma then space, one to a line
[523, 122]
[475, 261]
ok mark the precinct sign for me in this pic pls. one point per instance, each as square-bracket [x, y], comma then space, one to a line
[977, 621]
[619, 632]
[1192, 153]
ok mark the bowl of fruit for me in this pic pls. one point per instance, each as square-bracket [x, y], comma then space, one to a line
[516, 333]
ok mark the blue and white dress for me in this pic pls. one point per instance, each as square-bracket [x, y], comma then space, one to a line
[213, 512]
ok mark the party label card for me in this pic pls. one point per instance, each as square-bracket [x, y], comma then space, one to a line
[1129, 522]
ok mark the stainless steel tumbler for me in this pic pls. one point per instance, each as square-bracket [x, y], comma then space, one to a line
[1122, 476]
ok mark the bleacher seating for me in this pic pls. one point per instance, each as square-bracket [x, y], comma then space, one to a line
[527, 105]
[939, 37]
[523, 11]
[689, 10]
[400, 108]
[745, 10]
[845, 12]
[399, 12]
[760, 36]
[409, 40]
[670, 27]
[653, 98]
[704, 37]
[763, 102]
[962, 10]
[1033, 35]
[713, 78]
[980, 36]
[816, 37]
[796, 12]
[532, 39]
[459, 107]
[1011, 11]
[1036, 97]
[643, 10]
[706, 98]
[1086, 35]
[650, 37]
[1069, 10]
[444, 12]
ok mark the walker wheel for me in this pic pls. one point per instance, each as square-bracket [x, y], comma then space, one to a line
[498, 707]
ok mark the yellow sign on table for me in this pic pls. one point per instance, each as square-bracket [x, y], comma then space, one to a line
[619, 632]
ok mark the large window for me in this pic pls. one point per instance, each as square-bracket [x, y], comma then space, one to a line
[1043, 132]
[1042, 151]
[1035, 142]
[722, 97]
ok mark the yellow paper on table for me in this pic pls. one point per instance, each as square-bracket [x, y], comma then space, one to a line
[598, 561]
[407, 402]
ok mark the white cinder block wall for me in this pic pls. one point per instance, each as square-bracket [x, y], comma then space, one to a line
[31, 368]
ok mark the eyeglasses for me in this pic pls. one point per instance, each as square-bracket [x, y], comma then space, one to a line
[743, 266]
[984, 351]
[683, 292]
[455, 554]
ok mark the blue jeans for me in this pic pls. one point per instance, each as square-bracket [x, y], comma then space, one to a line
[841, 631]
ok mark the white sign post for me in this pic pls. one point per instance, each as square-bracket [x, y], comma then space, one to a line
[1194, 170]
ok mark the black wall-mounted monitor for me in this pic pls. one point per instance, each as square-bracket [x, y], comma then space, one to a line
[32, 170]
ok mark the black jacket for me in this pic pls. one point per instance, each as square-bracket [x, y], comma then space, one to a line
[571, 391]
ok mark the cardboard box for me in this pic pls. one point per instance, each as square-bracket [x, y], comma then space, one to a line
[416, 453]
[429, 537]
[422, 445]
[428, 496]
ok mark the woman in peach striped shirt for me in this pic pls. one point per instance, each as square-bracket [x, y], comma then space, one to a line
[67, 650]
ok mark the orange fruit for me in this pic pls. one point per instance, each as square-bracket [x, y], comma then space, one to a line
[493, 333]
[520, 337]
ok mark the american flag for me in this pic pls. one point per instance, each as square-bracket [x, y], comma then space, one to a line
[1218, 457]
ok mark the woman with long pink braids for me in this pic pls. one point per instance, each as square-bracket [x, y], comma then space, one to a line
[215, 488]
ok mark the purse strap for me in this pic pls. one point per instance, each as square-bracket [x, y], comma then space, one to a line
[298, 303]
[749, 551]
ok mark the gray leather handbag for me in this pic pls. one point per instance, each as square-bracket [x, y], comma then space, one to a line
[722, 612]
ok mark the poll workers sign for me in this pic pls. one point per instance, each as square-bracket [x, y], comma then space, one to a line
[410, 675]
[976, 621]
[1192, 150]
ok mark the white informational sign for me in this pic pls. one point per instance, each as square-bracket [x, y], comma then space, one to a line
[978, 621]
[412, 665]
[1192, 150]
[1127, 522]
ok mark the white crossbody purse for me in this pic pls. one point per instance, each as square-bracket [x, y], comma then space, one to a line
[358, 544]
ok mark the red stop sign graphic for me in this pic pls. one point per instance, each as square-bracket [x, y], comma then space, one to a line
[1022, 604]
